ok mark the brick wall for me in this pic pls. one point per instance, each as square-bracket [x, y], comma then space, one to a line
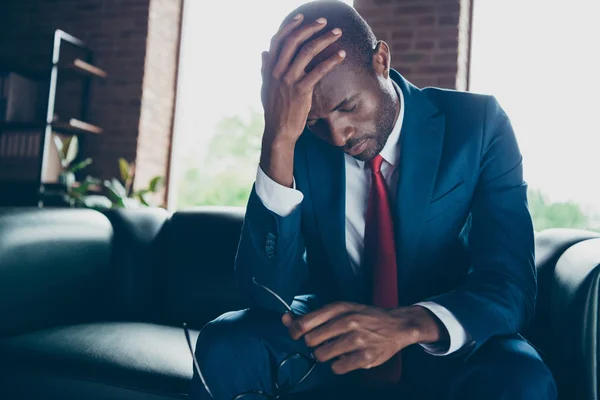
[428, 38]
[116, 31]
[136, 42]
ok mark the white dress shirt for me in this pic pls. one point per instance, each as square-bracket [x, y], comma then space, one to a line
[283, 200]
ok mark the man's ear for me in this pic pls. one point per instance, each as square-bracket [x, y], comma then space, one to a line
[382, 59]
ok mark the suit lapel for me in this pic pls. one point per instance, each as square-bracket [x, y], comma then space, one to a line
[327, 176]
[421, 142]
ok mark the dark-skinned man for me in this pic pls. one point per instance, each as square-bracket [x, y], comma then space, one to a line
[393, 220]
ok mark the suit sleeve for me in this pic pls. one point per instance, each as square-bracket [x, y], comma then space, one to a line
[271, 247]
[499, 294]
[280, 199]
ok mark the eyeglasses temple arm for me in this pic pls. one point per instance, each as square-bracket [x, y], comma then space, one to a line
[196, 364]
[287, 307]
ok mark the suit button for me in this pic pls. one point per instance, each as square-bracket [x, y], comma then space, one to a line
[270, 250]
[270, 239]
[270, 245]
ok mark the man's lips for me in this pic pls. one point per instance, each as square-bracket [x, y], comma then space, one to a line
[358, 147]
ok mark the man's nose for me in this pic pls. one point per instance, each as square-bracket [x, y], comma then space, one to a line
[340, 133]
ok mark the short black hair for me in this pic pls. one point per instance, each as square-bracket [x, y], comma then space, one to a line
[357, 39]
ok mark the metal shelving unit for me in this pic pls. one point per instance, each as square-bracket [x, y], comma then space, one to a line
[81, 67]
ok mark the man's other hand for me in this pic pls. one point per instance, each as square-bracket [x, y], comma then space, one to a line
[357, 336]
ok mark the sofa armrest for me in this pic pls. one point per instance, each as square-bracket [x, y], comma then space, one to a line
[574, 320]
[54, 267]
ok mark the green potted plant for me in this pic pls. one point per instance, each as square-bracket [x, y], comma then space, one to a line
[121, 191]
[68, 148]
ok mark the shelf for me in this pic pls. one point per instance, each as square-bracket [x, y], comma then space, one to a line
[86, 68]
[75, 126]
[75, 69]
[71, 127]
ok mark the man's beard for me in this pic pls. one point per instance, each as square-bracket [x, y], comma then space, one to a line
[386, 120]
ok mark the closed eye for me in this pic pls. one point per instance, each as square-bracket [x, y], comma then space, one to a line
[347, 109]
[313, 122]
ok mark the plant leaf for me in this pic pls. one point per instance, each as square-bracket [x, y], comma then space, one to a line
[72, 149]
[92, 180]
[116, 192]
[96, 202]
[80, 165]
[124, 169]
[119, 188]
[117, 202]
[155, 184]
[84, 186]
[58, 143]
[79, 190]
[140, 192]
[130, 178]
[143, 200]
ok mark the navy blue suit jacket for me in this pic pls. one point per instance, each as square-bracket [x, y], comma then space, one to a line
[463, 231]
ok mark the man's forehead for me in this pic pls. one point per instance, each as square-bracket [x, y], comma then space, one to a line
[335, 87]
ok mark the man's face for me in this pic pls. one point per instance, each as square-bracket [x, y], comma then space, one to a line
[354, 109]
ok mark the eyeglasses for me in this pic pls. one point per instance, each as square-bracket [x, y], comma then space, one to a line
[290, 373]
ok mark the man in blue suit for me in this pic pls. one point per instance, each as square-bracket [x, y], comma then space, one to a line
[393, 220]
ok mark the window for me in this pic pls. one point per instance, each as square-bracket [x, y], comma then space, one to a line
[541, 61]
[219, 120]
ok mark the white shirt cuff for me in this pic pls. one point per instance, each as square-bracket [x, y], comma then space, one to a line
[458, 336]
[280, 199]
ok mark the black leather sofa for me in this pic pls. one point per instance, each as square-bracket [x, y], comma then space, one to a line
[91, 304]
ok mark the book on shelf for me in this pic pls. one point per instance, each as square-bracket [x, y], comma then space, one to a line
[20, 98]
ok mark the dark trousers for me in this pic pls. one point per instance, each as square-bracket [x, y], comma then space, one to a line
[240, 351]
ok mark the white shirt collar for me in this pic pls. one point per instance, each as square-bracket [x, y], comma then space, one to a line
[391, 150]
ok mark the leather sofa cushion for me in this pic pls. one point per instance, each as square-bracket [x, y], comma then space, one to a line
[54, 268]
[123, 355]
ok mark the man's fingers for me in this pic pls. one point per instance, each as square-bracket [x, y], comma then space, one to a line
[287, 319]
[341, 325]
[309, 51]
[265, 62]
[285, 30]
[360, 359]
[292, 42]
[346, 343]
[310, 321]
[311, 79]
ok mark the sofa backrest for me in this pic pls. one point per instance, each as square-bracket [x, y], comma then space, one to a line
[574, 324]
[549, 247]
[175, 268]
[197, 281]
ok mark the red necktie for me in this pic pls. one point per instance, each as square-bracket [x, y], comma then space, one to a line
[380, 260]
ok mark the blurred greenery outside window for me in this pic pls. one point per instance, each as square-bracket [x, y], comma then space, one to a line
[233, 156]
